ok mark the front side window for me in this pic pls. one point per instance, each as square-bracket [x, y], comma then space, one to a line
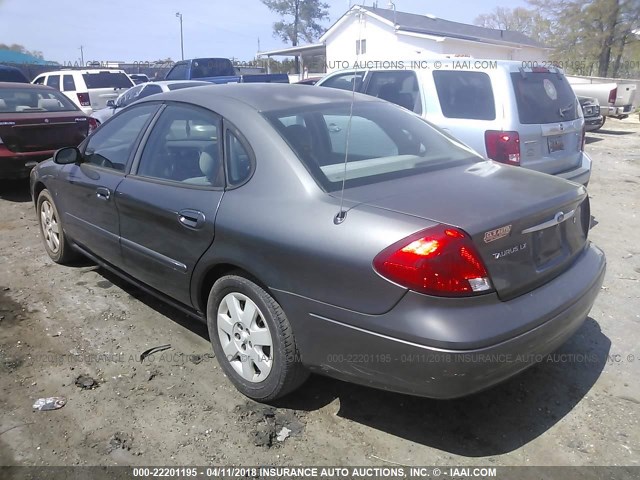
[183, 147]
[178, 72]
[112, 145]
[384, 142]
[39, 81]
[465, 94]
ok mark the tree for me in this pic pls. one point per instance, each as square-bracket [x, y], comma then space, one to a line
[19, 48]
[300, 20]
[522, 20]
[596, 32]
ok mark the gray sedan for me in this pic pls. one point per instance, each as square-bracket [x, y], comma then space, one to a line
[316, 233]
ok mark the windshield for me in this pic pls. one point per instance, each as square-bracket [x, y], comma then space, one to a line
[544, 97]
[107, 79]
[212, 67]
[30, 100]
[385, 142]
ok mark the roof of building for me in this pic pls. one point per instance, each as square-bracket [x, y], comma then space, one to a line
[430, 25]
[11, 56]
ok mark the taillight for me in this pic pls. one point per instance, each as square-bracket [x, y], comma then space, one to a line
[502, 146]
[584, 138]
[613, 94]
[83, 98]
[439, 261]
[540, 70]
[93, 124]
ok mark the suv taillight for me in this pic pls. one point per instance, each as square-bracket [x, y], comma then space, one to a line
[93, 124]
[583, 140]
[613, 94]
[83, 98]
[502, 146]
[439, 261]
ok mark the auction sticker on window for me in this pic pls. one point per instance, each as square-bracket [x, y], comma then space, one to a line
[550, 89]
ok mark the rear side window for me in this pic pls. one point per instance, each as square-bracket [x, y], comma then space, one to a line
[345, 81]
[107, 80]
[399, 87]
[67, 83]
[544, 97]
[54, 81]
[465, 95]
[178, 72]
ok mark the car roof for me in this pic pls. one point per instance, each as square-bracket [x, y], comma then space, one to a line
[88, 70]
[24, 85]
[264, 96]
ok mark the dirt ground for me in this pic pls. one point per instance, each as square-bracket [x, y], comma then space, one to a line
[177, 408]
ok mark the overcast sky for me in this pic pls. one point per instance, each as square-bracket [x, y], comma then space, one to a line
[146, 30]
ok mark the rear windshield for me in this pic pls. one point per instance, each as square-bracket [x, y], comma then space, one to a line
[385, 142]
[544, 97]
[11, 75]
[107, 80]
[32, 100]
[465, 95]
[212, 67]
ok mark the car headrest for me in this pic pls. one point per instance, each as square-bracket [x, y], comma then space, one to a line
[49, 104]
[210, 163]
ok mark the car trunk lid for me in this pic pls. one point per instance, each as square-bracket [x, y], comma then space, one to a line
[38, 132]
[527, 227]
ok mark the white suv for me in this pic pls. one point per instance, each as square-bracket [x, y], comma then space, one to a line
[89, 89]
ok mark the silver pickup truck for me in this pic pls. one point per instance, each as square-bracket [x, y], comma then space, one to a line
[616, 98]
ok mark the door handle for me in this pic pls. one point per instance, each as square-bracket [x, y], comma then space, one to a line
[191, 218]
[103, 193]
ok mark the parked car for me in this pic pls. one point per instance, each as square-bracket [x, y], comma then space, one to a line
[593, 120]
[139, 78]
[219, 70]
[616, 99]
[34, 122]
[409, 264]
[309, 81]
[12, 74]
[89, 89]
[513, 115]
[141, 91]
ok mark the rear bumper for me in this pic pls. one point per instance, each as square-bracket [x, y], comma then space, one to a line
[593, 123]
[582, 174]
[18, 165]
[446, 348]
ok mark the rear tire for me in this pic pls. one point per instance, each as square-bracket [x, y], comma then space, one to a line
[253, 340]
[55, 241]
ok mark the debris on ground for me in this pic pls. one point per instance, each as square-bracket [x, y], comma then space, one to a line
[269, 425]
[196, 359]
[120, 441]
[153, 350]
[85, 382]
[49, 403]
[283, 434]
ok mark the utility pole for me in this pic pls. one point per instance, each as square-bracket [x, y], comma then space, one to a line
[81, 56]
[179, 15]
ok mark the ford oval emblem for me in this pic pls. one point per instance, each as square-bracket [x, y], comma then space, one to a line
[559, 217]
[46, 120]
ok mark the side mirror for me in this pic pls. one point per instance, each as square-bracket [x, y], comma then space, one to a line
[111, 103]
[67, 155]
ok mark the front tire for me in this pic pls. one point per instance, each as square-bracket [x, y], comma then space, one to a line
[253, 340]
[55, 241]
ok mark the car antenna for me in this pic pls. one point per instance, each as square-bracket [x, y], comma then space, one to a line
[342, 214]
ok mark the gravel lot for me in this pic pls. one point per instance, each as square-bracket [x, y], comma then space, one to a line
[177, 408]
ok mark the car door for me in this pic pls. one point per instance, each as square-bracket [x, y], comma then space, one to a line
[87, 200]
[169, 202]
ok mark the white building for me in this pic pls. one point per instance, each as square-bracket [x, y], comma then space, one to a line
[379, 34]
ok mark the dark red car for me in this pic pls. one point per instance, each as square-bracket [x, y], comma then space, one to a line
[34, 122]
